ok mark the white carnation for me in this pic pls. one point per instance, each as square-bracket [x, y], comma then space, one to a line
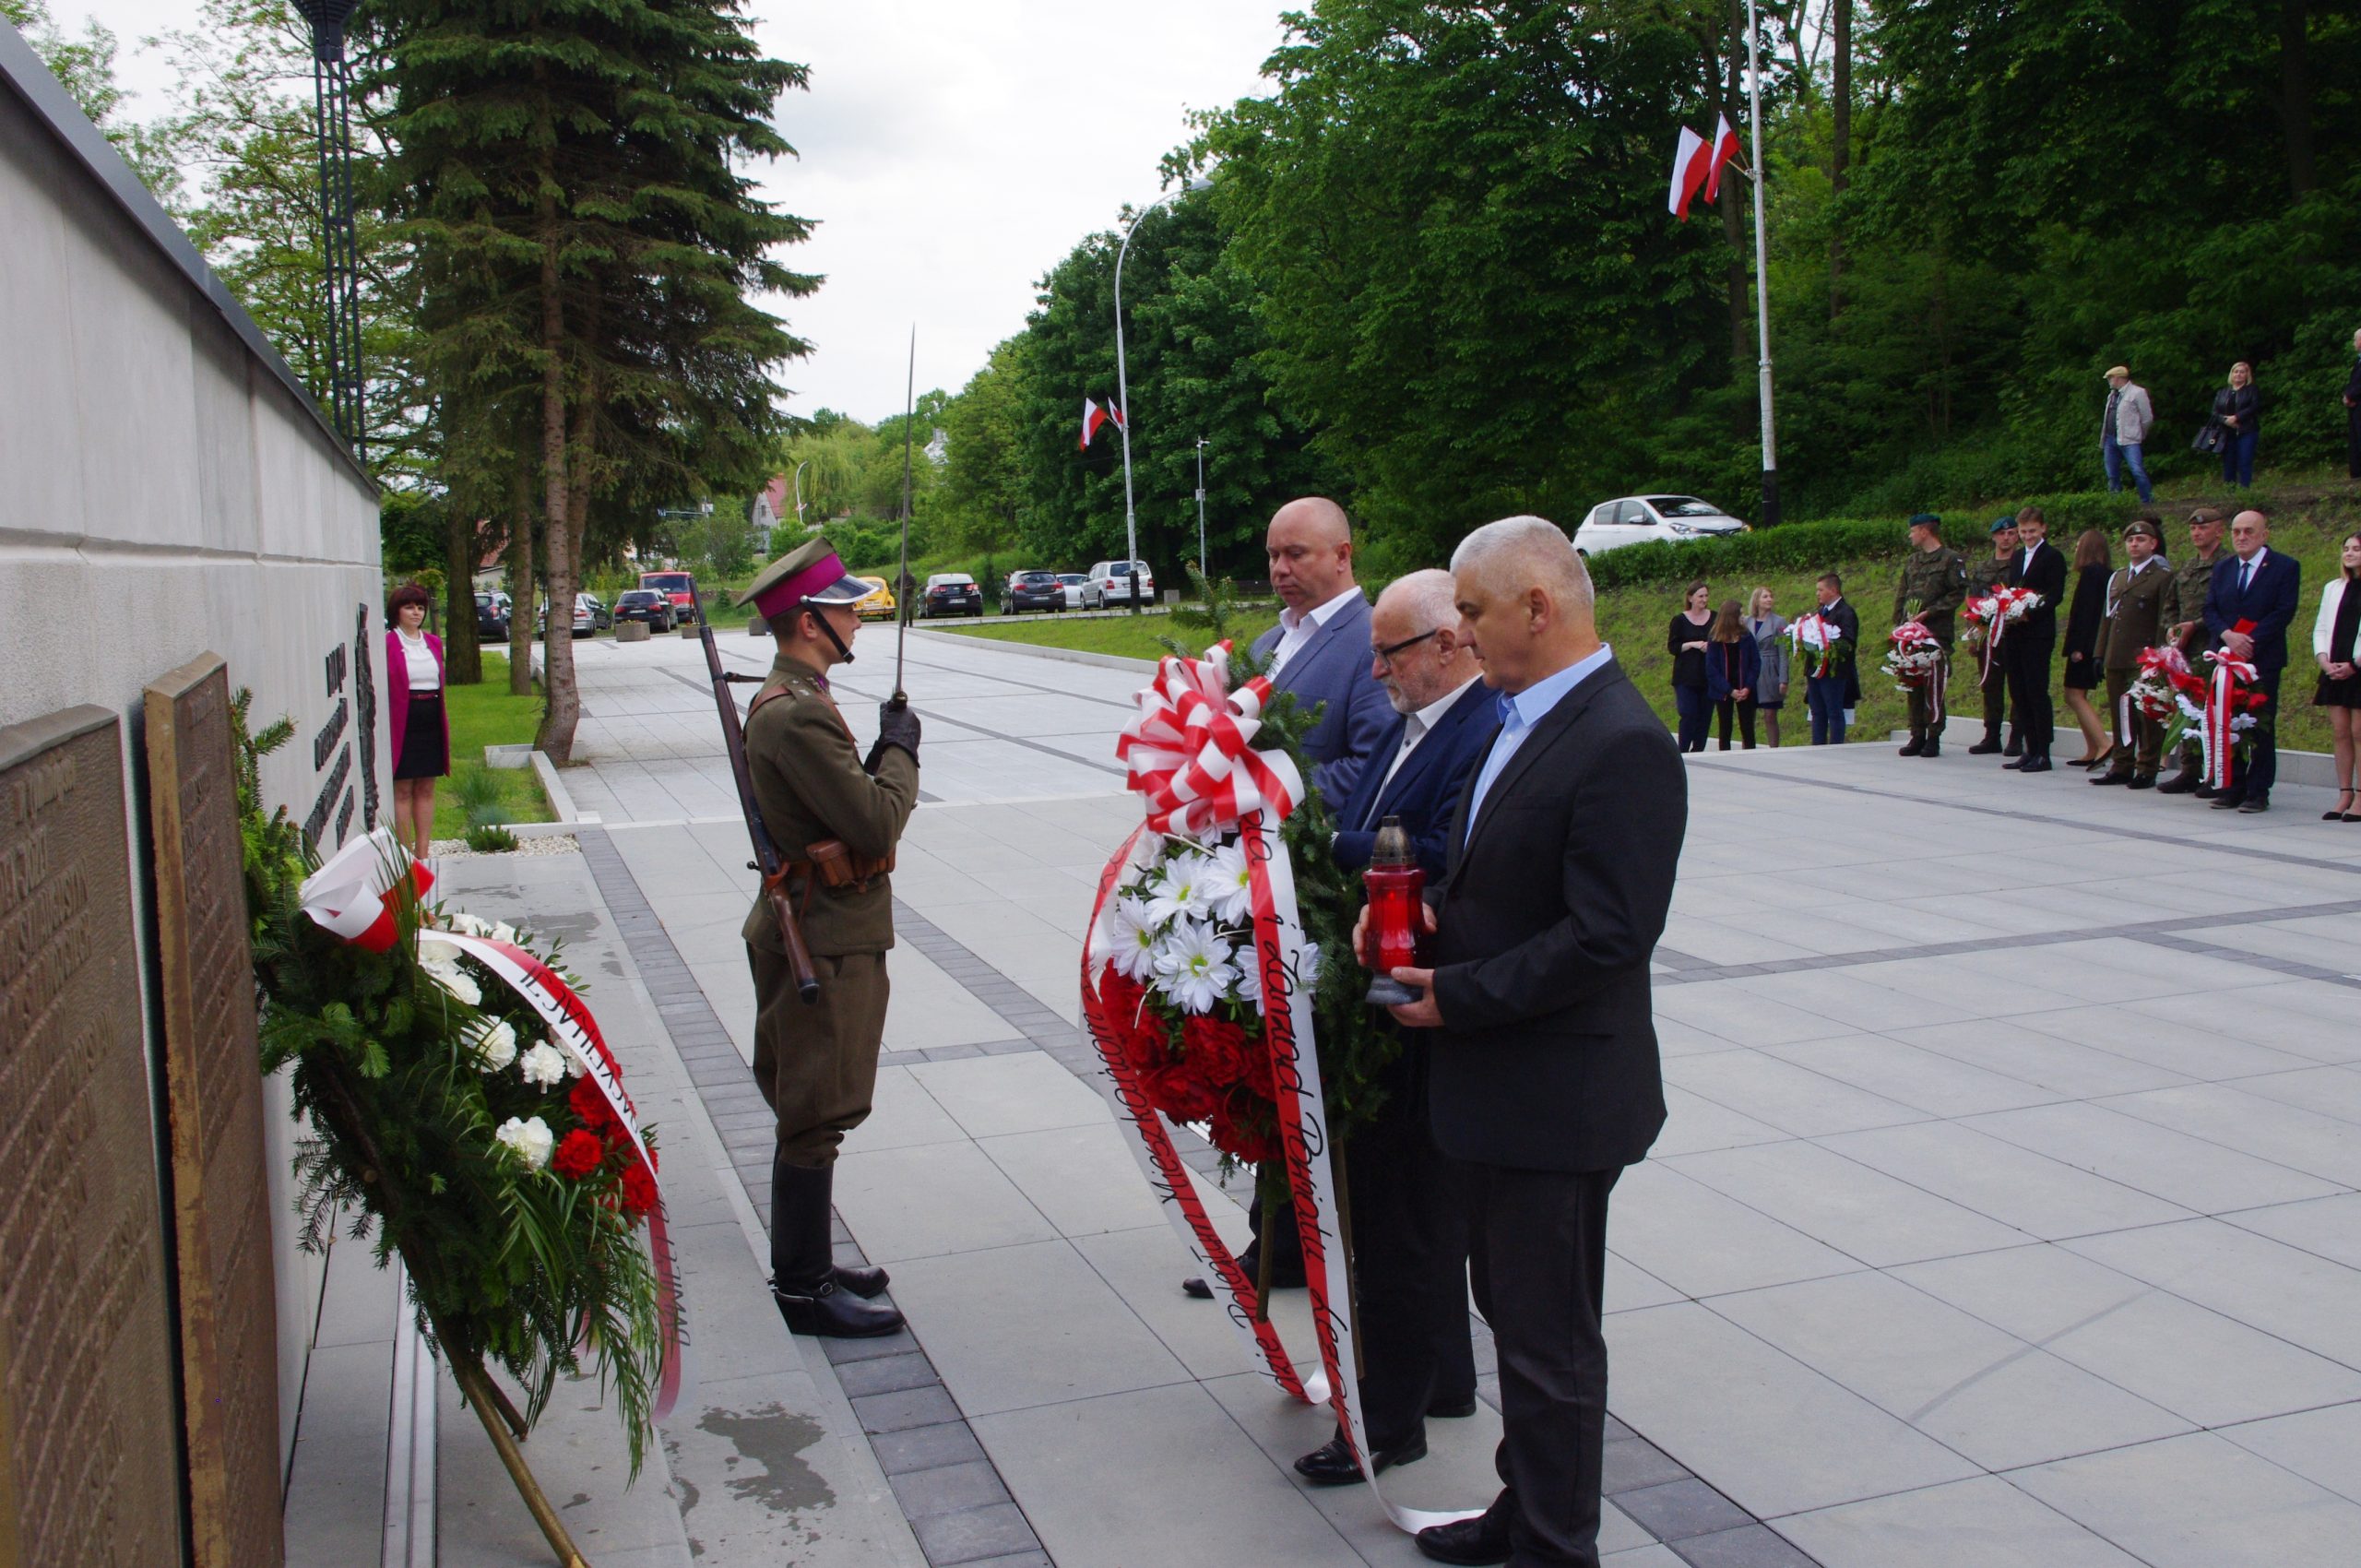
[544, 1064]
[446, 973]
[495, 1046]
[530, 1139]
[466, 924]
[504, 931]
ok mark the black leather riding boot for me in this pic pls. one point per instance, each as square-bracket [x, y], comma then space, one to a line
[803, 1272]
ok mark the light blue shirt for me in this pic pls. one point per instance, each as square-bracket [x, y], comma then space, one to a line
[1520, 713]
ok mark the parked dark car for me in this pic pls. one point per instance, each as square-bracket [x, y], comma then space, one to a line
[952, 593]
[491, 619]
[645, 605]
[673, 586]
[1031, 590]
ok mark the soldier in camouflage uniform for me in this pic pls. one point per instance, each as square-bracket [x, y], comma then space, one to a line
[1934, 579]
[2191, 580]
[1983, 577]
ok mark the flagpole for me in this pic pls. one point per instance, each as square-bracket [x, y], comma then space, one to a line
[1123, 390]
[1761, 272]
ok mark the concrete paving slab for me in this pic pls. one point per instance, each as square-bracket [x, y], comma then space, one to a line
[1982, 1522]
[2199, 1501]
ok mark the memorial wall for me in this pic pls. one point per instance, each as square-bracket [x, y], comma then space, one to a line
[167, 493]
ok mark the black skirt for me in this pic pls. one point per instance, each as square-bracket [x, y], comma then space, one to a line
[426, 750]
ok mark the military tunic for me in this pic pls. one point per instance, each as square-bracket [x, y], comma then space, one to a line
[2140, 610]
[817, 1064]
[1983, 577]
[2192, 582]
[1932, 584]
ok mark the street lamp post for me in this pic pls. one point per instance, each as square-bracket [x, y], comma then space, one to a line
[1762, 273]
[339, 243]
[1203, 565]
[1123, 390]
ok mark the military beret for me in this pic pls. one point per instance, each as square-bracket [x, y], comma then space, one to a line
[2002, 524]
[1926, 520]
[2147, 525]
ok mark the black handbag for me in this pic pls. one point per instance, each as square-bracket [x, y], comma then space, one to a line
[2212, 436]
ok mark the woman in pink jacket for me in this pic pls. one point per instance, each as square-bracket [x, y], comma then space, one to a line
[416, 723]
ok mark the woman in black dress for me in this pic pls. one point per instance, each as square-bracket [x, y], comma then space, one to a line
[2092, 569]
[1686, 642]
[2339, 689]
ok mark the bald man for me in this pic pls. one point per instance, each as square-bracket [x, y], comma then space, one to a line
[1320, 648]
[1543, 1076]
[1409, 1224]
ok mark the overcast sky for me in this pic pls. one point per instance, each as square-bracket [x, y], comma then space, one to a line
[952, 150]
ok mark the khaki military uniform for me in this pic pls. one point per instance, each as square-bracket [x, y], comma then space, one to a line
[817, 1062]
[2192, 582]
[1933, 586]
[2140, 609]
[1983, 576]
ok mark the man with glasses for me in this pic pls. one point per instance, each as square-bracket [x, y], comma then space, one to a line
[1409, 1229]
[2248, 607]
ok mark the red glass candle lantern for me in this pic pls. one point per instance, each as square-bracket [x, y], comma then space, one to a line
[1397, 884]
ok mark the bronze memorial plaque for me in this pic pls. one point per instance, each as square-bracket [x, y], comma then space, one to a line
[86, 1438]
[213, 1087]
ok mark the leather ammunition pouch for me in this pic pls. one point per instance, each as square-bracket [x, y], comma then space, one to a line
[831, 864]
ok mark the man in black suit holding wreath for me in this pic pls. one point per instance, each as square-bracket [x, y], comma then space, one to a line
[1544, 1075]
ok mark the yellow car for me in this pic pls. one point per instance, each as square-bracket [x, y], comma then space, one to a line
[879, 605]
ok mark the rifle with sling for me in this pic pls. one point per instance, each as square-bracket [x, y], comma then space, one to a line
[766, 860]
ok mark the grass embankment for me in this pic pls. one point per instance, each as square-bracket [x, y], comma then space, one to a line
[1132, 637]
[2306, 524]
[486, 715]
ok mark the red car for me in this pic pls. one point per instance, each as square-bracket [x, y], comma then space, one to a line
[673, 586]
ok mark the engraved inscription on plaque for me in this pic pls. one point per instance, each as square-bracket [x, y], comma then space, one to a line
[213, 1078]
[86, 1394]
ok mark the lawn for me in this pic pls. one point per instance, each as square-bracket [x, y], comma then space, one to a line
[486, 715]
[1133, 636]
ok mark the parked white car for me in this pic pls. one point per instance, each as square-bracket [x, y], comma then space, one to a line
[1640, 519]
[1114, 581]
[1081, 593]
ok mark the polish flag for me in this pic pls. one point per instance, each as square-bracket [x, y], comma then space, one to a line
[1093, 416]
[1724, 148]
[1690, 166]
[1116, 414]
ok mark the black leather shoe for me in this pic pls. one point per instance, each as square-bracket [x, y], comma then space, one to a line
[1452, 1409]
[2227, 803]
[1933, 748]
[2204, 791]
[832, 1313]
[1916, 745]
[2181, 783]
[1330, 1464]
[1986, 746]
[2016, 763]
[2254, 804]
[862, 1282]
[1195, 1287]
[2037, 764]
[2142, 781]
[2015, 748]
[1477, 1542]
[2110, 778]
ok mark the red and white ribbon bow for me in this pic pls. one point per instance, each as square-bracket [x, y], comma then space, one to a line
[1189, 751]
[353, 895]
[2232, 675]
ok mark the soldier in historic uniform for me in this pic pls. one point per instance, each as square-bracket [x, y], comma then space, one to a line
[2192, 578]
[1934, 579]
[836, 820]
[1983, 577]
[2142, 602]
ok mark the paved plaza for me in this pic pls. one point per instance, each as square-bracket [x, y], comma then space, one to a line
[2007, 1215]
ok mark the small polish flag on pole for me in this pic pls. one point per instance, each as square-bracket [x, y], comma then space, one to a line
[1116, 414]
[1093, 416]
[1691, 167]
[1724, 148]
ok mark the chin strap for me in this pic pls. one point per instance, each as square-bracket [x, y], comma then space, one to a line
[843, 651]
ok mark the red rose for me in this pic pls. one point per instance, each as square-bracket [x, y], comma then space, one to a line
[1246, 1129]
[639, 1190]
[1177, 1090]
[1217, 1049]
[578, 1154]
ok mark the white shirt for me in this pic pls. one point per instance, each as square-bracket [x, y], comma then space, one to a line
[1520, 713]
[1297, 626]
[419, 661]
[2246, 569]
[1415, 727]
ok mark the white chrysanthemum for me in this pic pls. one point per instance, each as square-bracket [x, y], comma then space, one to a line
[529, 1139]
[495, 1046]
[544, 1064]
[1227, 882]
[1194, 966]
[1178, 890]
[1132, 931]
[573, 1067]
[1249, 974]
[503, 932]
[465, 923]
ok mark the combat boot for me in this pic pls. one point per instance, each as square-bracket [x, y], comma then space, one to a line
[1917, 745]
[804, 1278]
[1934, 747]
[1990, 744]
[2181, 783]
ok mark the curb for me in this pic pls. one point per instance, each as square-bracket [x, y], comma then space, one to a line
[560, 802]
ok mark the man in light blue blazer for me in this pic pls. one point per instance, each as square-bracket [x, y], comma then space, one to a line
[1320, 649]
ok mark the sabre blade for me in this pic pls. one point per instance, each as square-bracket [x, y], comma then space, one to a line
[909, 418]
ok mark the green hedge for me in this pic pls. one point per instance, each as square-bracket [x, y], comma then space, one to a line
[1810, 547]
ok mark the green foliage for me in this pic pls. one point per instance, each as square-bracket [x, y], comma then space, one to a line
[489, 838]
[84, 65]
[514, 1265]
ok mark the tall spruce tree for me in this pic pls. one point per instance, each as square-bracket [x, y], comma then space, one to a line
[567, 173]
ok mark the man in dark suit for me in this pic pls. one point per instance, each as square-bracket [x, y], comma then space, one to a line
[2028, 643]
[1830, 697]
[1544, 1079]
[1409, 1220]
[2248, 607]
[1320, 648]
